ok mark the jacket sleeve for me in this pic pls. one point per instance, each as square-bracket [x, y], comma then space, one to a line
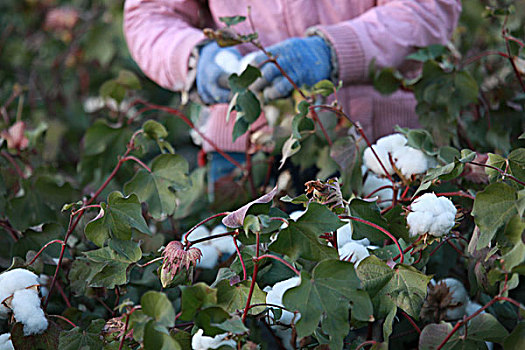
[388, 33]
[161, 35]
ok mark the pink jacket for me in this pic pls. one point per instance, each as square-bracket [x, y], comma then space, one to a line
[161, 35]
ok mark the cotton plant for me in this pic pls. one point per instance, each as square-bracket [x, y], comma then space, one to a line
[432, 215]
[199, 341]
[19, 294]
[393, 150]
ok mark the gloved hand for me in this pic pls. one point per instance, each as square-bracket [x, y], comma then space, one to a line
[213, 68]
[306, 60]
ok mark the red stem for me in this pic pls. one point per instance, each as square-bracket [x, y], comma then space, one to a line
[43, 248]
[151, 261]
[64, 319]
[185, 238]
[377, 190]
[411, 321]
[209, 238]
[240, 259]
[13, 163]
[503, 174]
[254, 277]
[368, 342]
[280, 260]
[124, 333]
[316, 119]
[366, 222]
[457, 194]
[86, 207]
[138, 161]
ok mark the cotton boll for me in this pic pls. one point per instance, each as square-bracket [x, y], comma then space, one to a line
[459, 301]
[297, 214]
[344, 235]
[198, 233]
[373, 164]
[391, 142]
[202, 342]
[11, 281]
[353, 252]
[410, 161]
[5, 342]
[472, 307]
[227, 61]
[275, 296]
[431, 214]
[26, 308]
[224, 244]
[372, 183]
[210, 256]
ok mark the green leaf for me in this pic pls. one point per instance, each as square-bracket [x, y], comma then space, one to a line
[387, 81]
[239, 83]
[158, 306]
[169, 172]
[195, 298]
[404, 285]
[493, 208]
[517, 163]
[327, 292]
[291, 146]
[233, 325]
[516, 339]
[128, 79]
[116, 219]
[82, 339]
[249, 106]
[233, 298]
[156, 338]
[232, 20]
[466, 87]
[239, 128]
[324, 87]
[367, 211]
[486, 327]
[301, 238]
[154, 130]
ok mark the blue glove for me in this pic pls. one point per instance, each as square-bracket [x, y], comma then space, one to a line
[212, 78]
[306, 60]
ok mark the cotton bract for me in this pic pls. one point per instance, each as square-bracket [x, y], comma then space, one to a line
[431, 214]
[409, 161]
[202, 342]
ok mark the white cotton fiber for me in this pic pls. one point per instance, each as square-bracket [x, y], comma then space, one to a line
[409, 161]
[275, 296]
[353, 252]
[210, 256]
[198, 233]
[203, 342]
[13, 280]
[26, 308]
[344, 235]
[431, 214]
[5, 342]
[224, 244]
[384, 196]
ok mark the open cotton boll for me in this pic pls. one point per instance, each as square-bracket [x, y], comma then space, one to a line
[459, 301]
[11, 281]
[410, 161]
[275, 296]
[227, 61]
[224, 244]
[26, 308]
[391, 142]
[431, 214]
[210, 256]
[353, 252]
[295, 215]
[203, 342]
[198, 233]
[5, 342]
[344, 235]
[372, 183]
[373, 164]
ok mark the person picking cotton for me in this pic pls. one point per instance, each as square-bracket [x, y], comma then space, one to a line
[19, 293]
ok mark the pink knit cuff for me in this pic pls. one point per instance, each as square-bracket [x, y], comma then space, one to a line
[350, 55]
[220, 132]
